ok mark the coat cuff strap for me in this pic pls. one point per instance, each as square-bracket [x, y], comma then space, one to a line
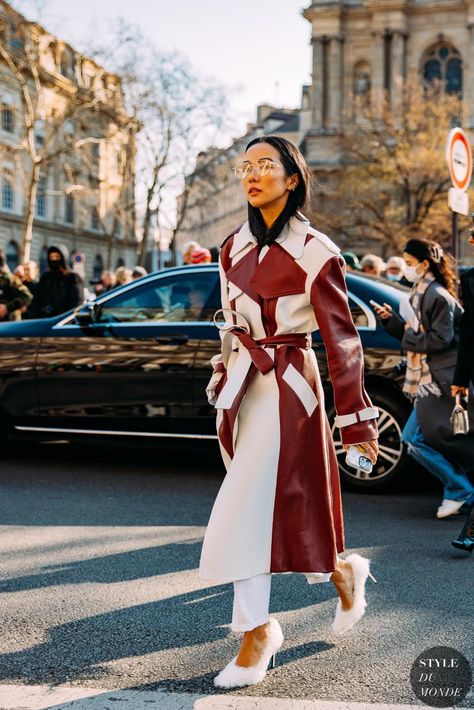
[362, 415]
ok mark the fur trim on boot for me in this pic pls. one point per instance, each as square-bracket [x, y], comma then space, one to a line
[347, 618]
[234, 676]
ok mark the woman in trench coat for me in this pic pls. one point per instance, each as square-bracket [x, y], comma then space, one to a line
[279, 507]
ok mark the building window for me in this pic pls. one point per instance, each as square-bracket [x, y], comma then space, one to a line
[362, 83]
[98, 267]
[95, 224]
[443, 64]
[12, 253]
[118, 229]
[8, 192]
[41, 197]
[120, 262]
[69, 209]
[8, 120]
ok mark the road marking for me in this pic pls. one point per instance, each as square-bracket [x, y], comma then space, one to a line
[45, 697]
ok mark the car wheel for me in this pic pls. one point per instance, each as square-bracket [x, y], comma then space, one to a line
[392, 459]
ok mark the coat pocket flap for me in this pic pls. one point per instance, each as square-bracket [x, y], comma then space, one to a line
[301, 388]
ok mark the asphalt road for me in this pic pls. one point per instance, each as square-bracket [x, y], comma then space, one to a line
[98, 581]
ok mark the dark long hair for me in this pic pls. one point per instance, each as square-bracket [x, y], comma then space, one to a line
[442, 265]
[293, 162]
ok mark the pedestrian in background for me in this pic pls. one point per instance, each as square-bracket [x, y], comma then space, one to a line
[59, 288]
[139, 272]
[429, 337]
[463, 379]
[352, 261]
[187, 251]
[201, 256]
[373, 265]
[106, 283]
[14, 296]
[395, 271]
[279, 507]
[122, 276]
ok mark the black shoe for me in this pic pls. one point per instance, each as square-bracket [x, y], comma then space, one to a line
[465, 541]
[466, 544]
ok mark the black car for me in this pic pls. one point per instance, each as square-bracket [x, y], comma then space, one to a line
[135, 363]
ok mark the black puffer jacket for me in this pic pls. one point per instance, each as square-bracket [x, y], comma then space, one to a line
[57, 290]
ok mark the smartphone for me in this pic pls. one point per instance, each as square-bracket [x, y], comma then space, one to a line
[376, 305]
[357, 459]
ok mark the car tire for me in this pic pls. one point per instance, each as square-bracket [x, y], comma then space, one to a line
[391, 465]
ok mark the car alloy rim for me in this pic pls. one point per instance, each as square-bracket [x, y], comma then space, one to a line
[390, 448]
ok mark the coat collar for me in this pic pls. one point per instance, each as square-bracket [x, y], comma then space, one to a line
[292, 238]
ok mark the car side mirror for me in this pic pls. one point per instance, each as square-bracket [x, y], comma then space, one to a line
[89, 314]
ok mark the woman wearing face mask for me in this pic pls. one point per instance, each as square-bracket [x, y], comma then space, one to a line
[279, 507]
[430, 339]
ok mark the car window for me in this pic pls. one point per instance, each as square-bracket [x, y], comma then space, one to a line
[358, 316]
[179, 298]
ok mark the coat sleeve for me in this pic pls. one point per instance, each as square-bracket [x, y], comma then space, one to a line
[395, 325]
[356, 417]
[440, 334]
[462, 373]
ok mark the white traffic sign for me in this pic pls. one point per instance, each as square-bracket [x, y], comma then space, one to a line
[459, 159]
[458, 201]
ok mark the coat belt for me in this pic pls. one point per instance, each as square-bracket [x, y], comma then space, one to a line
[253, 351]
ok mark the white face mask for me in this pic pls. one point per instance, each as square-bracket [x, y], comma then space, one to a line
[394, 277]
[412, 274]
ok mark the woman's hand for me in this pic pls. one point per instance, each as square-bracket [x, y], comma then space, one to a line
[459, 390]
[384, 311]
[370, 449]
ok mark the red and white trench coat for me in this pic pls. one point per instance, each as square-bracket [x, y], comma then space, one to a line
[279, 506]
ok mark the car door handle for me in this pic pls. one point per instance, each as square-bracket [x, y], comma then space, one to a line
[172, 339]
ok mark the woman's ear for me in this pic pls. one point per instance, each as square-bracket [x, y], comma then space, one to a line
[293, 181]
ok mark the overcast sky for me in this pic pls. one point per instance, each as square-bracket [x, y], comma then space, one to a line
[258, 48]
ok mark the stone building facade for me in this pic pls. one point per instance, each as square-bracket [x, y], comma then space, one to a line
[85, 200]
[216, 204]
[366, 48]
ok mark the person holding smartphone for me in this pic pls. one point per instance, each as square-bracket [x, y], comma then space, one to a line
[279, 507]
[431, 342]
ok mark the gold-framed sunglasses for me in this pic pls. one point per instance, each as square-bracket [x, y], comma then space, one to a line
[262, 167]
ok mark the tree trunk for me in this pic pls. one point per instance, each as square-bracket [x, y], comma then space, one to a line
[144, 243]
[27, 236]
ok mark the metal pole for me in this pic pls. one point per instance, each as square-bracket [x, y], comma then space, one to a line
[456, 245]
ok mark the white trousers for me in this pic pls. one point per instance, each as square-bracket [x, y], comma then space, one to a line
[252, 599]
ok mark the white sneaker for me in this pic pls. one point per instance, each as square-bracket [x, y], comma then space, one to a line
[449, 507]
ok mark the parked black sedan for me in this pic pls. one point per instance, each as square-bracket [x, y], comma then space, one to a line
[135, 363]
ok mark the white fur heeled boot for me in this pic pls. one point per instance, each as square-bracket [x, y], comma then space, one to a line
[351, 606]
[234, 676]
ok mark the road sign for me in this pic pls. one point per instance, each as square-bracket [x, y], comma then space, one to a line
[458, 201]
[459, 158]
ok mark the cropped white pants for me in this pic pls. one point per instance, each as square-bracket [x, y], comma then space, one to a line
[252, 599]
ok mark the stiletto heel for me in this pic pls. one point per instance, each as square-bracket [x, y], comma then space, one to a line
[372, 578]
[350, 611]
[234, 676]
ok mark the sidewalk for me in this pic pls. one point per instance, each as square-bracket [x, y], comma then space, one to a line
[43, 697]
